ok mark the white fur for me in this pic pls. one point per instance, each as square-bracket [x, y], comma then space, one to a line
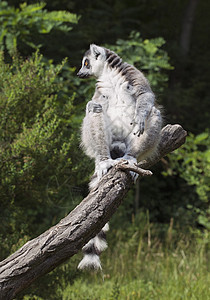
[100, 244]
[91, 242]
[106, 227]
[124, 119]
[90, 261]
[97, 65]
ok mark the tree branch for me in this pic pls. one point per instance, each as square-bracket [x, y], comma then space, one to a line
[42, 254]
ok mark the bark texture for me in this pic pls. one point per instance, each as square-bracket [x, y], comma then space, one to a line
[42, 254]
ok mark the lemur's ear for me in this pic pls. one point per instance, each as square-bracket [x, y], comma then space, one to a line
[96, 50]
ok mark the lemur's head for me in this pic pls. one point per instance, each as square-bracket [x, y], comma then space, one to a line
[93, 62]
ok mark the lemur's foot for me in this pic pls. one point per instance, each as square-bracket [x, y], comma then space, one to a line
[133, 161]
[103, 167]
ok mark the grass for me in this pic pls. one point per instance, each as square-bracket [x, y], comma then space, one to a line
[146, 261]
[144, 266]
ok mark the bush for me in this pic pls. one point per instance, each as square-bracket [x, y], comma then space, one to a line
[22, 28]
[191, 162]
[39, 159]
[148, 56]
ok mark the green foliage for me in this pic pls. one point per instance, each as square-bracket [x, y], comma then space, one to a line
[39, 159]
[144, 263]
[20, 26]
[42, 171]
[148, 56]
[192, 163]
[115, 293]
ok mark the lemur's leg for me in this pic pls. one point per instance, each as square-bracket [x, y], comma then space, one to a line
[96, 138]
[140, 147]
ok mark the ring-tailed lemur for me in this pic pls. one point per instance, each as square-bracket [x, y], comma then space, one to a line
[121, 122]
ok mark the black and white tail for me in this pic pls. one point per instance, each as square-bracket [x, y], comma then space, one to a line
[93, 249]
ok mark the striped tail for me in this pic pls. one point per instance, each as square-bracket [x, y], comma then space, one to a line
[92, 250]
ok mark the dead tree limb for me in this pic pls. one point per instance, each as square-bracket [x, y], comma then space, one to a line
[42, 254]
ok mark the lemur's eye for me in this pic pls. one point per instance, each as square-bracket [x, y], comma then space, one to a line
[86, 63]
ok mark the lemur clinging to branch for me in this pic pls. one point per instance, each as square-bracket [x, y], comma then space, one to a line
[121, 122]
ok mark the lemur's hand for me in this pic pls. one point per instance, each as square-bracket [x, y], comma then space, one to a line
[139, 125]
[94, 107]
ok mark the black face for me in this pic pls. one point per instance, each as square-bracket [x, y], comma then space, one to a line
[84, 71]
[87, 63]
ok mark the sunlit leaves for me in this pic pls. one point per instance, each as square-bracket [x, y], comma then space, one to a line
[146, 55]
[18, 24]
[191, 162]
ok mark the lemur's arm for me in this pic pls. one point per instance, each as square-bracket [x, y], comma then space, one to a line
[144, 104]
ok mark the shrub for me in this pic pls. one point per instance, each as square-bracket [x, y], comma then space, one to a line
[23, 27]
[191, 162]
[39, 159]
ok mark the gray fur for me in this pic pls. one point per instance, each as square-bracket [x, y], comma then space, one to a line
[122, 120]
[122, 116]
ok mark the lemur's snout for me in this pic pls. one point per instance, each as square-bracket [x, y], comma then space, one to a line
[79, 73]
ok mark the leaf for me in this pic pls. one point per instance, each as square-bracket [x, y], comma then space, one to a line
[32, 7]
[11, 43]
[199, 138]
[207, 155]
[21, 25]
[203, 220]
